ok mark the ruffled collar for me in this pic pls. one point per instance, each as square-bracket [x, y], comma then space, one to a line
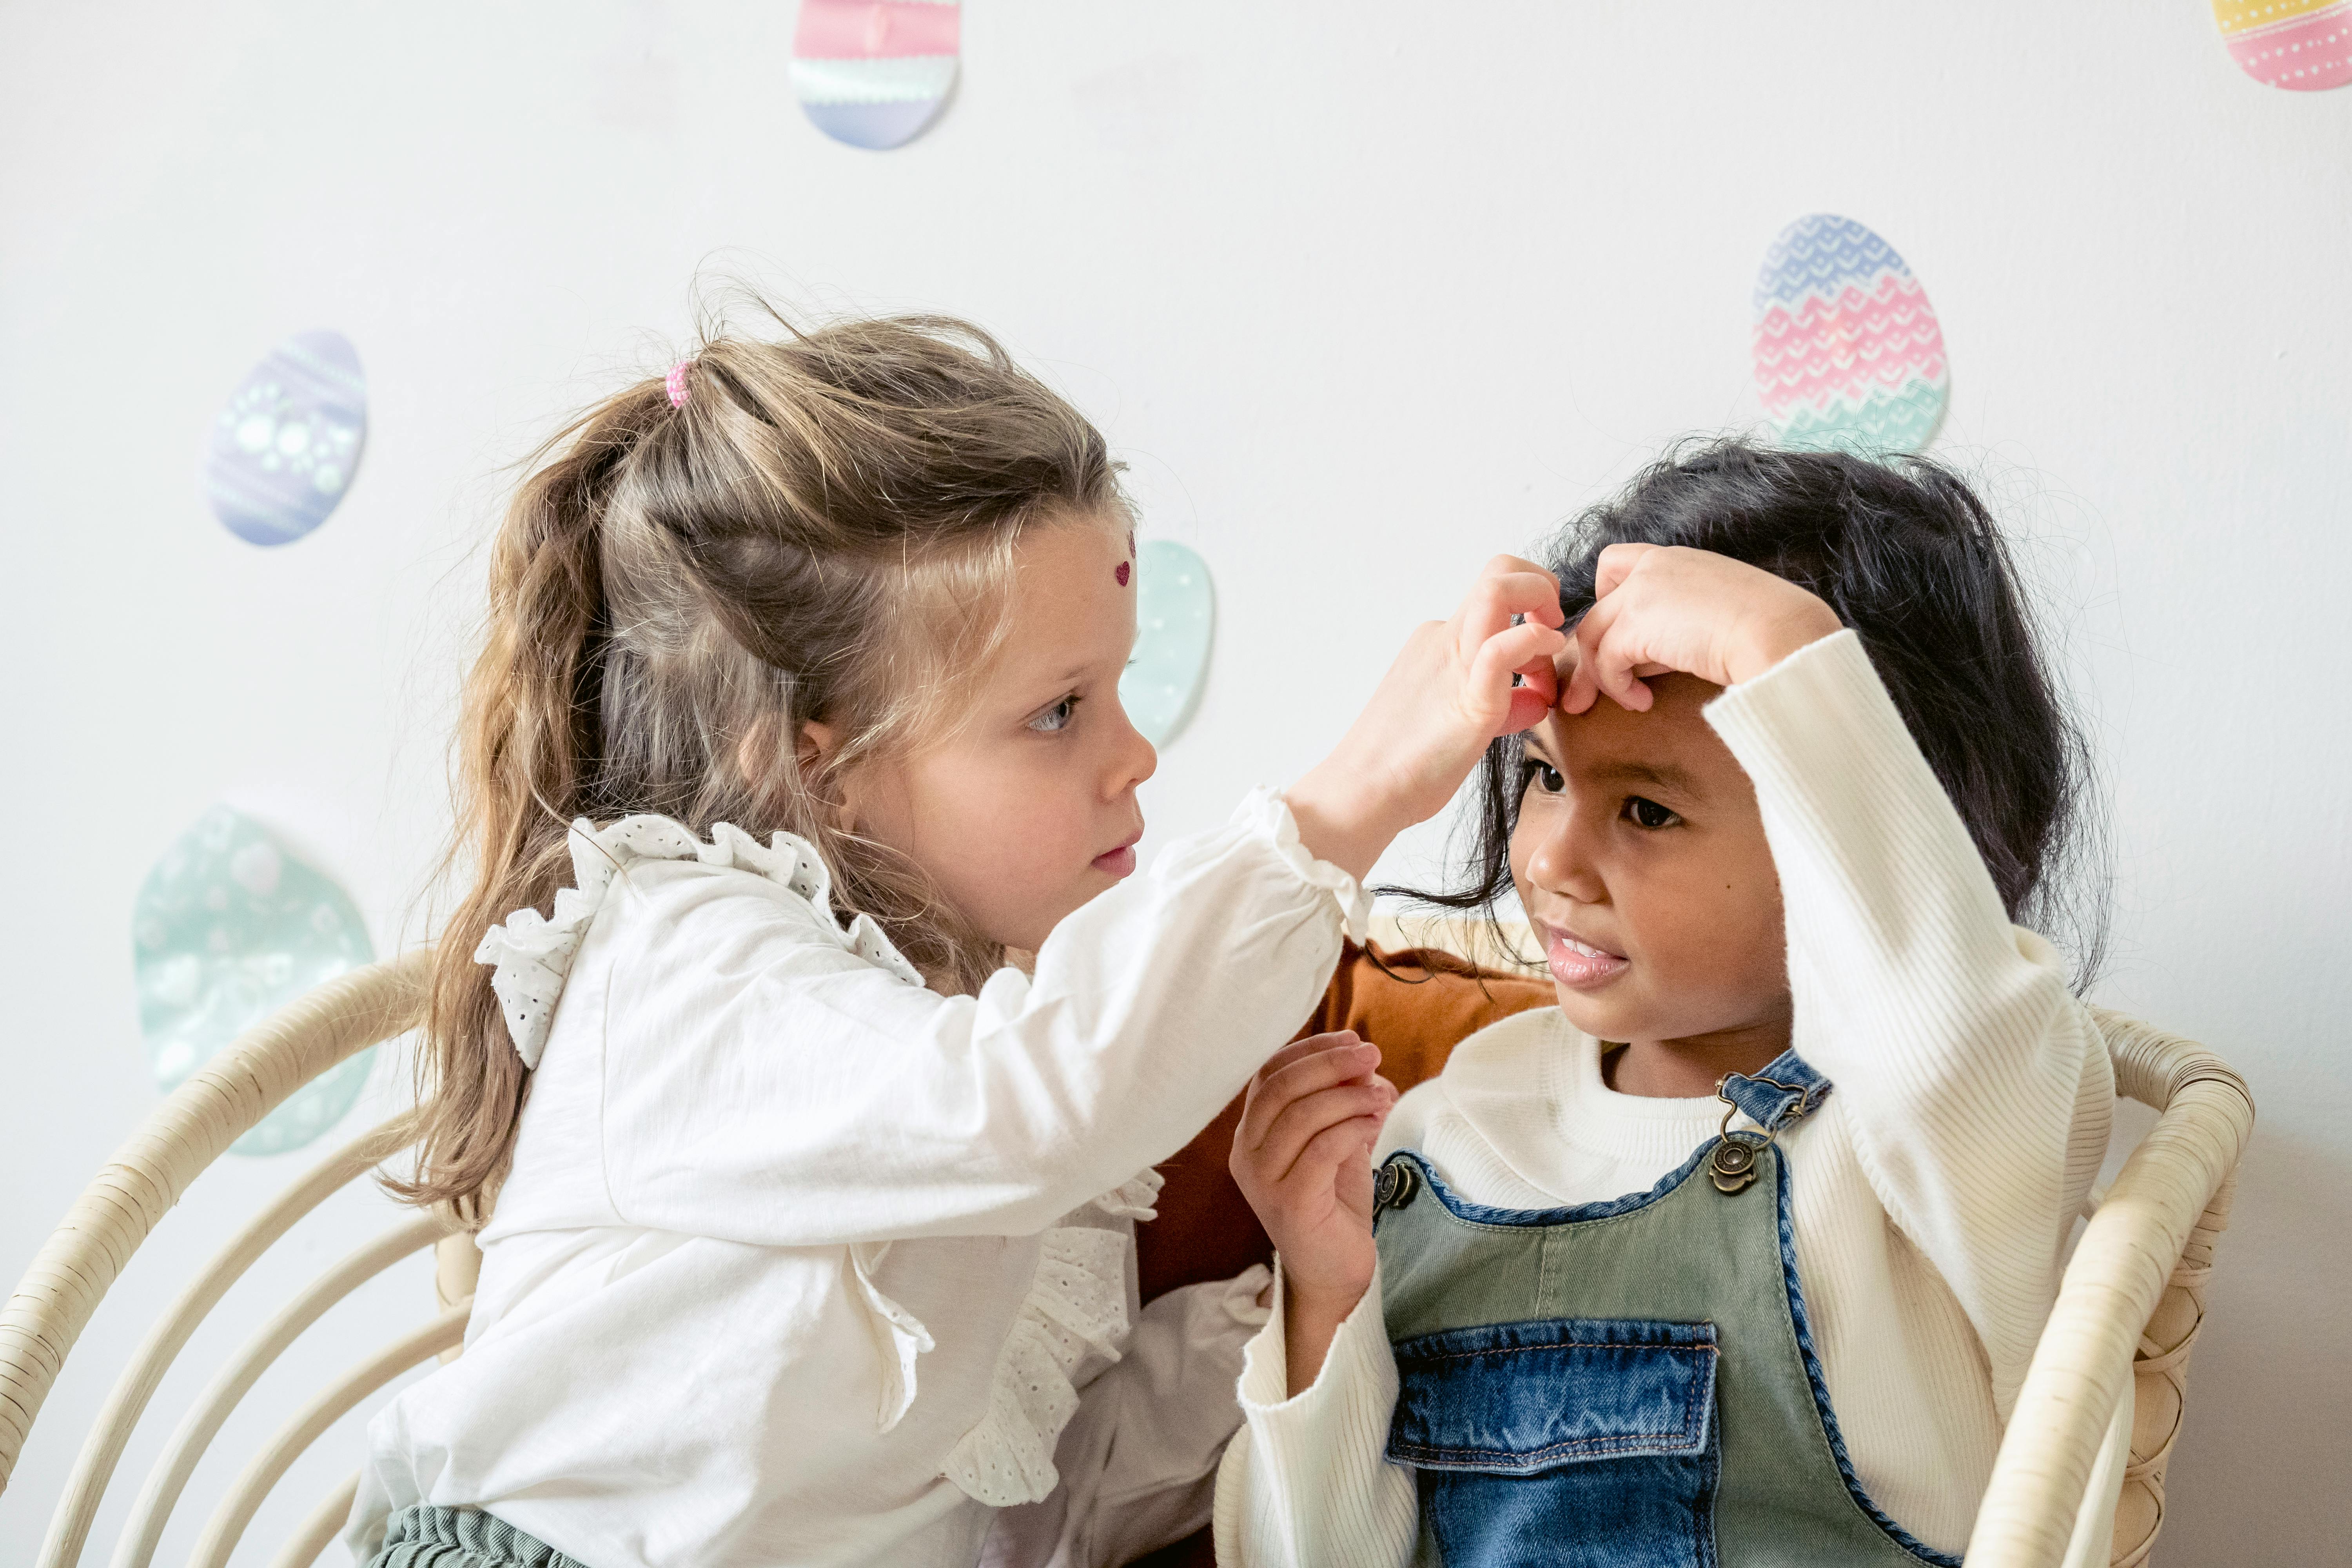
[1075, 1311]
[532, 953]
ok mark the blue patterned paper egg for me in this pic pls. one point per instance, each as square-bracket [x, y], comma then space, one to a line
[228, 928]
[283, 452]
[1175, 610]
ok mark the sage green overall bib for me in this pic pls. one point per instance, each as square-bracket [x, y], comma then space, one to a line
[1624, 1384]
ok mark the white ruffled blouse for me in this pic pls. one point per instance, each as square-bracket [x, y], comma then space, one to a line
[800, 1262]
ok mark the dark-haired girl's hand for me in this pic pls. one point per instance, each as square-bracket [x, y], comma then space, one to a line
[1302, 1156]
[1661, 609]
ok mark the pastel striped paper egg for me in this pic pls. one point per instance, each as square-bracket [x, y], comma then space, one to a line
[228, 928]
[2300, 45]
[282, 453]
[1848, 355]
[1175, 610]
[873, 72]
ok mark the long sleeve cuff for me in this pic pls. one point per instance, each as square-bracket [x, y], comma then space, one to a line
[1266, 809]
[1308, 1481]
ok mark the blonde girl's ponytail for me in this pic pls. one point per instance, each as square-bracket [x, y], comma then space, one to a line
[528, 742]
[818, 529]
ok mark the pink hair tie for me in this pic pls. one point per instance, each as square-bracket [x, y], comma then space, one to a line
[675, 382]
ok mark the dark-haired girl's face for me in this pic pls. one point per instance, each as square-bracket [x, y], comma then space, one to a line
[1641, 859]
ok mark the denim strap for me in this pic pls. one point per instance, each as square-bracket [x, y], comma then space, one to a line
[1784, 1090]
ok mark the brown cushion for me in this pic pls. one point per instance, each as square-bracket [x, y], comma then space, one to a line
[1425, 1003]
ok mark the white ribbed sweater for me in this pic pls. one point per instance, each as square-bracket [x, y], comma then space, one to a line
[1933, 1193]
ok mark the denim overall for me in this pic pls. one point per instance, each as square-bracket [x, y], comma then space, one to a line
[1624, 1384]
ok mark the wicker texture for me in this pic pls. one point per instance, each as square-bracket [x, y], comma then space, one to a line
[318, 1532]
[226, 1526]
[2129, 1306]
[70, 1527]
[229, 1387]
[221, 1102]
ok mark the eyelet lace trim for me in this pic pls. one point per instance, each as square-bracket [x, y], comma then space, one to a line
[1076, 1306]
[533, 954]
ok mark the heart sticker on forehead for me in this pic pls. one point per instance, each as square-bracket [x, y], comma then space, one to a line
[1175, 610]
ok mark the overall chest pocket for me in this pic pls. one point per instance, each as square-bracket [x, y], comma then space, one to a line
[1569, 1442]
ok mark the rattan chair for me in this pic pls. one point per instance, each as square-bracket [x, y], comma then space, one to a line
[106, 1224]
[2126, 1320]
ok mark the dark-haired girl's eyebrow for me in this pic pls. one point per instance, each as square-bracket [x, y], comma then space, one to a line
[1663, 775]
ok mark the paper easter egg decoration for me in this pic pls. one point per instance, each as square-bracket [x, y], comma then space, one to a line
[1848, 355]
[1175, 610]
[282, 453]
[873, 72]
[2300, 45]
[228, 928]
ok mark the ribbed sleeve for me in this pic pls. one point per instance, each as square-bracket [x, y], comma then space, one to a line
[1976, 1090]
[1304, 1483]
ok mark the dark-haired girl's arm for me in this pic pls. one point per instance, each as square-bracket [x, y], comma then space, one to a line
[1976, 1090]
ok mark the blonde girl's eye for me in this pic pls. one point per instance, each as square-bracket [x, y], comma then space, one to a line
[1052, 719]
[1542, 774]
[1648, 814]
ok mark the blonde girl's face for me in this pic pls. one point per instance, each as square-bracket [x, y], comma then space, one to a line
[1026, 807]
[1641, 859]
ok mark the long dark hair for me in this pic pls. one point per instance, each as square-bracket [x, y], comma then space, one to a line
[1910, 559]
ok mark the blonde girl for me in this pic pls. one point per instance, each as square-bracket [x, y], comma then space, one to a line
[806, 1220]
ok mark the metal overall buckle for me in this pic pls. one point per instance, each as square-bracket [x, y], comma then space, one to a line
[1732, 1166]
[1395, 1187]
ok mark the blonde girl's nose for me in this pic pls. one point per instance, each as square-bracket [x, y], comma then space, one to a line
[1135, 758]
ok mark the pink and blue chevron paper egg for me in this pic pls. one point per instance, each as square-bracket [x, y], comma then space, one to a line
[2303, 46]
[874, 72]
[1848, 355]
[282, 453]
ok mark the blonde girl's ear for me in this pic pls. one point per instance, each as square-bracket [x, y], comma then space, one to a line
[817, 745]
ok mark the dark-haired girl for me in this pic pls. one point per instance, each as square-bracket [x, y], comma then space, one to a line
[1738, 1256]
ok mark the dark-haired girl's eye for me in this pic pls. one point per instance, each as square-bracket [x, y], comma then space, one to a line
[1648, 814]
[1057, 718]
[1545, 777]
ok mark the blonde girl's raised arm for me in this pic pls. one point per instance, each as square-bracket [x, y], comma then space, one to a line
[817, 1099]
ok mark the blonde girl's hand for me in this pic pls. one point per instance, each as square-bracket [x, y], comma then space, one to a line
[1303, 1157]
[1659, 609]
[1458, 684]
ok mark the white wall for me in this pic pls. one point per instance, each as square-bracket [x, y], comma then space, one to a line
[1363, 294]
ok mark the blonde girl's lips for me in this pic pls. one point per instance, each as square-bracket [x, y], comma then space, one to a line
[1118, 862]
[1580, 966]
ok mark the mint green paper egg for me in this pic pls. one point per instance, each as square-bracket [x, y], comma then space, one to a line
[1175, 610]
[228, 928]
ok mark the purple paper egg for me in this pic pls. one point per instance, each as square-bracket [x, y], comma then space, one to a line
[284, 450]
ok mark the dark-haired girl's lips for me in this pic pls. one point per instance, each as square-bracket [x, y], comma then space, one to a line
[1580, 966]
